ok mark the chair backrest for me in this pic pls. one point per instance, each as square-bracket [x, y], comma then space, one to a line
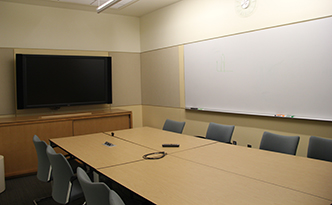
[44, 171]
[174, 126]
[279, 143]
[62, 174]
[320, 148]
[97, 193]
[219, 132]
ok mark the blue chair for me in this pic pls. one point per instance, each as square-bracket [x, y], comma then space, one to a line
[44, 171]
[174, 126]
[65, 186]
[320, 148]
[97, 193]
[279, 143]
[219, 132]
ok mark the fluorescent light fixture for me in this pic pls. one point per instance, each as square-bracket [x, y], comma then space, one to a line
[123, 3]
[106, 5]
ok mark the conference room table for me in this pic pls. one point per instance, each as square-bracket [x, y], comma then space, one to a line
[91, 150]
[201, 171]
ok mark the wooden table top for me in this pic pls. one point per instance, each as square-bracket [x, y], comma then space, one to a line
[202, 171]
[154, 138]
[92, 151]
[172, 180]
[294, 172]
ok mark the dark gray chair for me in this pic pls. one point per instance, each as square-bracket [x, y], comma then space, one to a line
[174, 126]
[219, 132]
[279, 143]
[44, 172]
[97, 193]
[320, 148]
[65, 186]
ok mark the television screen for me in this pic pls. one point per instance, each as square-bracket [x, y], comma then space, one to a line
[55, 81]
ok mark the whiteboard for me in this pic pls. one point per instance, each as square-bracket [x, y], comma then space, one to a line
[284, 70]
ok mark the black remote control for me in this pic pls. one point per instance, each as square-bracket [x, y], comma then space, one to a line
[171, 145]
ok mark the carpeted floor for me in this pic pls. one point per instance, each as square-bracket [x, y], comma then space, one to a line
[23, 190]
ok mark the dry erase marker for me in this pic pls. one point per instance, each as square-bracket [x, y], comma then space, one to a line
[282, 115]
[195, 108]
[279, 115]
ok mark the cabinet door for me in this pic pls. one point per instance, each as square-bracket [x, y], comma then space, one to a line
[18, 149]
[103, 124]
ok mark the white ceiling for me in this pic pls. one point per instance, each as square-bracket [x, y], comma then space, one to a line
[137, 8]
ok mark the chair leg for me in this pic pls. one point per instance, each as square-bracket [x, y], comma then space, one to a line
[36, 201]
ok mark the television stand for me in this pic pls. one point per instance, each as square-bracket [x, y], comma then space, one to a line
[54, 108]
[65, 115]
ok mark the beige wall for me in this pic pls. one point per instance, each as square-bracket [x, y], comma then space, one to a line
[195, 20]
[7, 91]
[126, 78]
[167, 30]
[28, 26]
[160, 77]
[126, 84]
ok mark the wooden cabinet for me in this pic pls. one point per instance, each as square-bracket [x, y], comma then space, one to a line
[16, 134]
[102, 124]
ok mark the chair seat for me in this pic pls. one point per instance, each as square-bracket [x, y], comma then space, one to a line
[76, 191]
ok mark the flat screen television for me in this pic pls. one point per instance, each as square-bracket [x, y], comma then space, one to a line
[55, 81]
